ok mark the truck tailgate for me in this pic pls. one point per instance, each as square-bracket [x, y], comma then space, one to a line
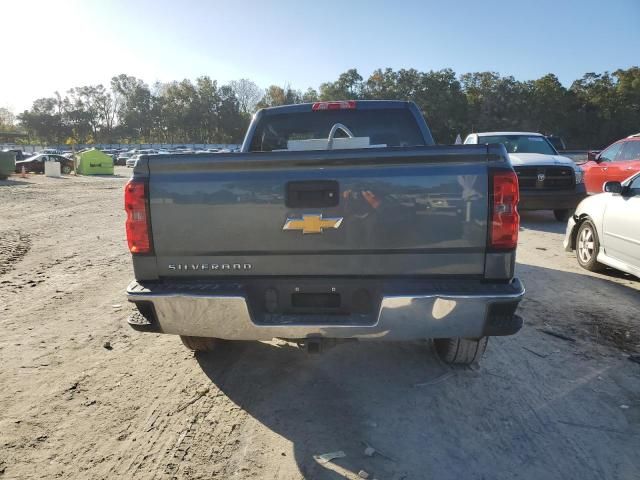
[394, 211]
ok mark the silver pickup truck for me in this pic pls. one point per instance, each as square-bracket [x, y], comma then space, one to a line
[337, 221]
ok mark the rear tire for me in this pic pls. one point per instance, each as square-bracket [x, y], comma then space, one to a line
[563, 215]
[201, 344]
[461, 351]
[587, 247]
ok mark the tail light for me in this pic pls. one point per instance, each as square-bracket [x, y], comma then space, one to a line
[341, 105]
[505, 220]
[137, 224]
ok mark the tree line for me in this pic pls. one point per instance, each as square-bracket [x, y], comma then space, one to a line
[591, 113]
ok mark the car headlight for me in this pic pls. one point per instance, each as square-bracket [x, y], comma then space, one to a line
[579, 175]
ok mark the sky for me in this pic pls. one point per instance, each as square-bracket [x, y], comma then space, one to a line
[51, 45]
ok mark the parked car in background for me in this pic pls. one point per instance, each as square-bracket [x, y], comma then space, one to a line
[113, 153]
[131, 161]
[617, 162]
[557, 142]
[548, 181]
[35, 164]
[146, 151]
[122, 158]
[578, 156]
[605, 229]
[20, 155]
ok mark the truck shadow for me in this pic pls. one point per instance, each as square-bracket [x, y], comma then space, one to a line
[12, 183]
[496, 422]
[329, 402]
[542, 221]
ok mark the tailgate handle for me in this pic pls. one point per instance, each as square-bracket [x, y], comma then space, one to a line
[312, 194]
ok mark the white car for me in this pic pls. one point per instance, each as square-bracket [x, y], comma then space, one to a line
[131, 161]
[548, 181]
[605, 229]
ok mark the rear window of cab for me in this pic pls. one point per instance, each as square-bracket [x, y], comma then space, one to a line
[384, 127]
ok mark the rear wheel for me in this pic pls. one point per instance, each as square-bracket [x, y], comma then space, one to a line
[563, 215]
[461, 351]
[587, 247]
[201, 344]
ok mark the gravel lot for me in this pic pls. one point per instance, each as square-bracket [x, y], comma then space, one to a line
[83, 396]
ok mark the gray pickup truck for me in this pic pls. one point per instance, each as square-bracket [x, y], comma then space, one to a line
[337, 221]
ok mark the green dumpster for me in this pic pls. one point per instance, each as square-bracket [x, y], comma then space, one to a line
[7, 164]
[94, 162]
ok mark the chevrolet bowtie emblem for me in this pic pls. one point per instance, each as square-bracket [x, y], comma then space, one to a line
[311, 223]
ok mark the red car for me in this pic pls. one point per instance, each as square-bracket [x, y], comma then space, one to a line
[616, 163]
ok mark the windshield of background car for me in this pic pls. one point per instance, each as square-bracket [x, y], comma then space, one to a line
[390, 127]
[521, 143]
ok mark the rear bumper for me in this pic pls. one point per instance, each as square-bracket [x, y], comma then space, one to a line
[551, 199]
[207, 310]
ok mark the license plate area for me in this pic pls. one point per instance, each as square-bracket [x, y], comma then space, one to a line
[312, 300]
[316, 300]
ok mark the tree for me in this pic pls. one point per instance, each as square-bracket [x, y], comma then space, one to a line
[45, 121]
[495, 102]
[440, 97]
[275, 96]
[7, 120]
[232, 122]
[94, 105]
[596, 110]
[134, 106]
[348, 87]
[438, 94]
[310, 96]
[247, 93]
[382, 84]
[628, 93]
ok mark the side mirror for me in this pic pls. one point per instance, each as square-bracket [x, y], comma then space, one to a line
[593, 156]
[612, 187]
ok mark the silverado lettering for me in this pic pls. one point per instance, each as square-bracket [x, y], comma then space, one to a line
[210, 266]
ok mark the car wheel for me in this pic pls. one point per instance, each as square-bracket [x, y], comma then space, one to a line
[461, 351]
[66, 169]
[201, 344]
[563, 215]
[588, 246]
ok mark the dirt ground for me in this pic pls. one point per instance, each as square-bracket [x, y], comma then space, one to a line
[84, 396]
